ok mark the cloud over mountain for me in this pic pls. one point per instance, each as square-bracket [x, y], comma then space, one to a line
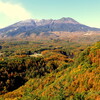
[13, 12]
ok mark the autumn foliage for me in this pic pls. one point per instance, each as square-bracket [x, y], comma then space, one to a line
[56, 75]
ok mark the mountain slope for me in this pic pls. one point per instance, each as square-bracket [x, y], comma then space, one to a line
[18, 28]
[28, 27]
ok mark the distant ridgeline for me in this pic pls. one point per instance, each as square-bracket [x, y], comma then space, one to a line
[33, 27]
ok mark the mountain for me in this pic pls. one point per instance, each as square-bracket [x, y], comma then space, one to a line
[31, 26]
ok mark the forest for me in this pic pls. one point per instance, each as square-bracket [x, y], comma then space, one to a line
[49, 70]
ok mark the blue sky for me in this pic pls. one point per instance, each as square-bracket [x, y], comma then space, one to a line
[84, 11]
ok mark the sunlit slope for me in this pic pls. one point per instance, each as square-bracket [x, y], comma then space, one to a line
[78, 80]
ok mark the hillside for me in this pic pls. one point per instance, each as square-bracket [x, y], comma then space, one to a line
[60, 76]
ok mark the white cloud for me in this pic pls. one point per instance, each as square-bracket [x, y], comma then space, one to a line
[14, 11]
